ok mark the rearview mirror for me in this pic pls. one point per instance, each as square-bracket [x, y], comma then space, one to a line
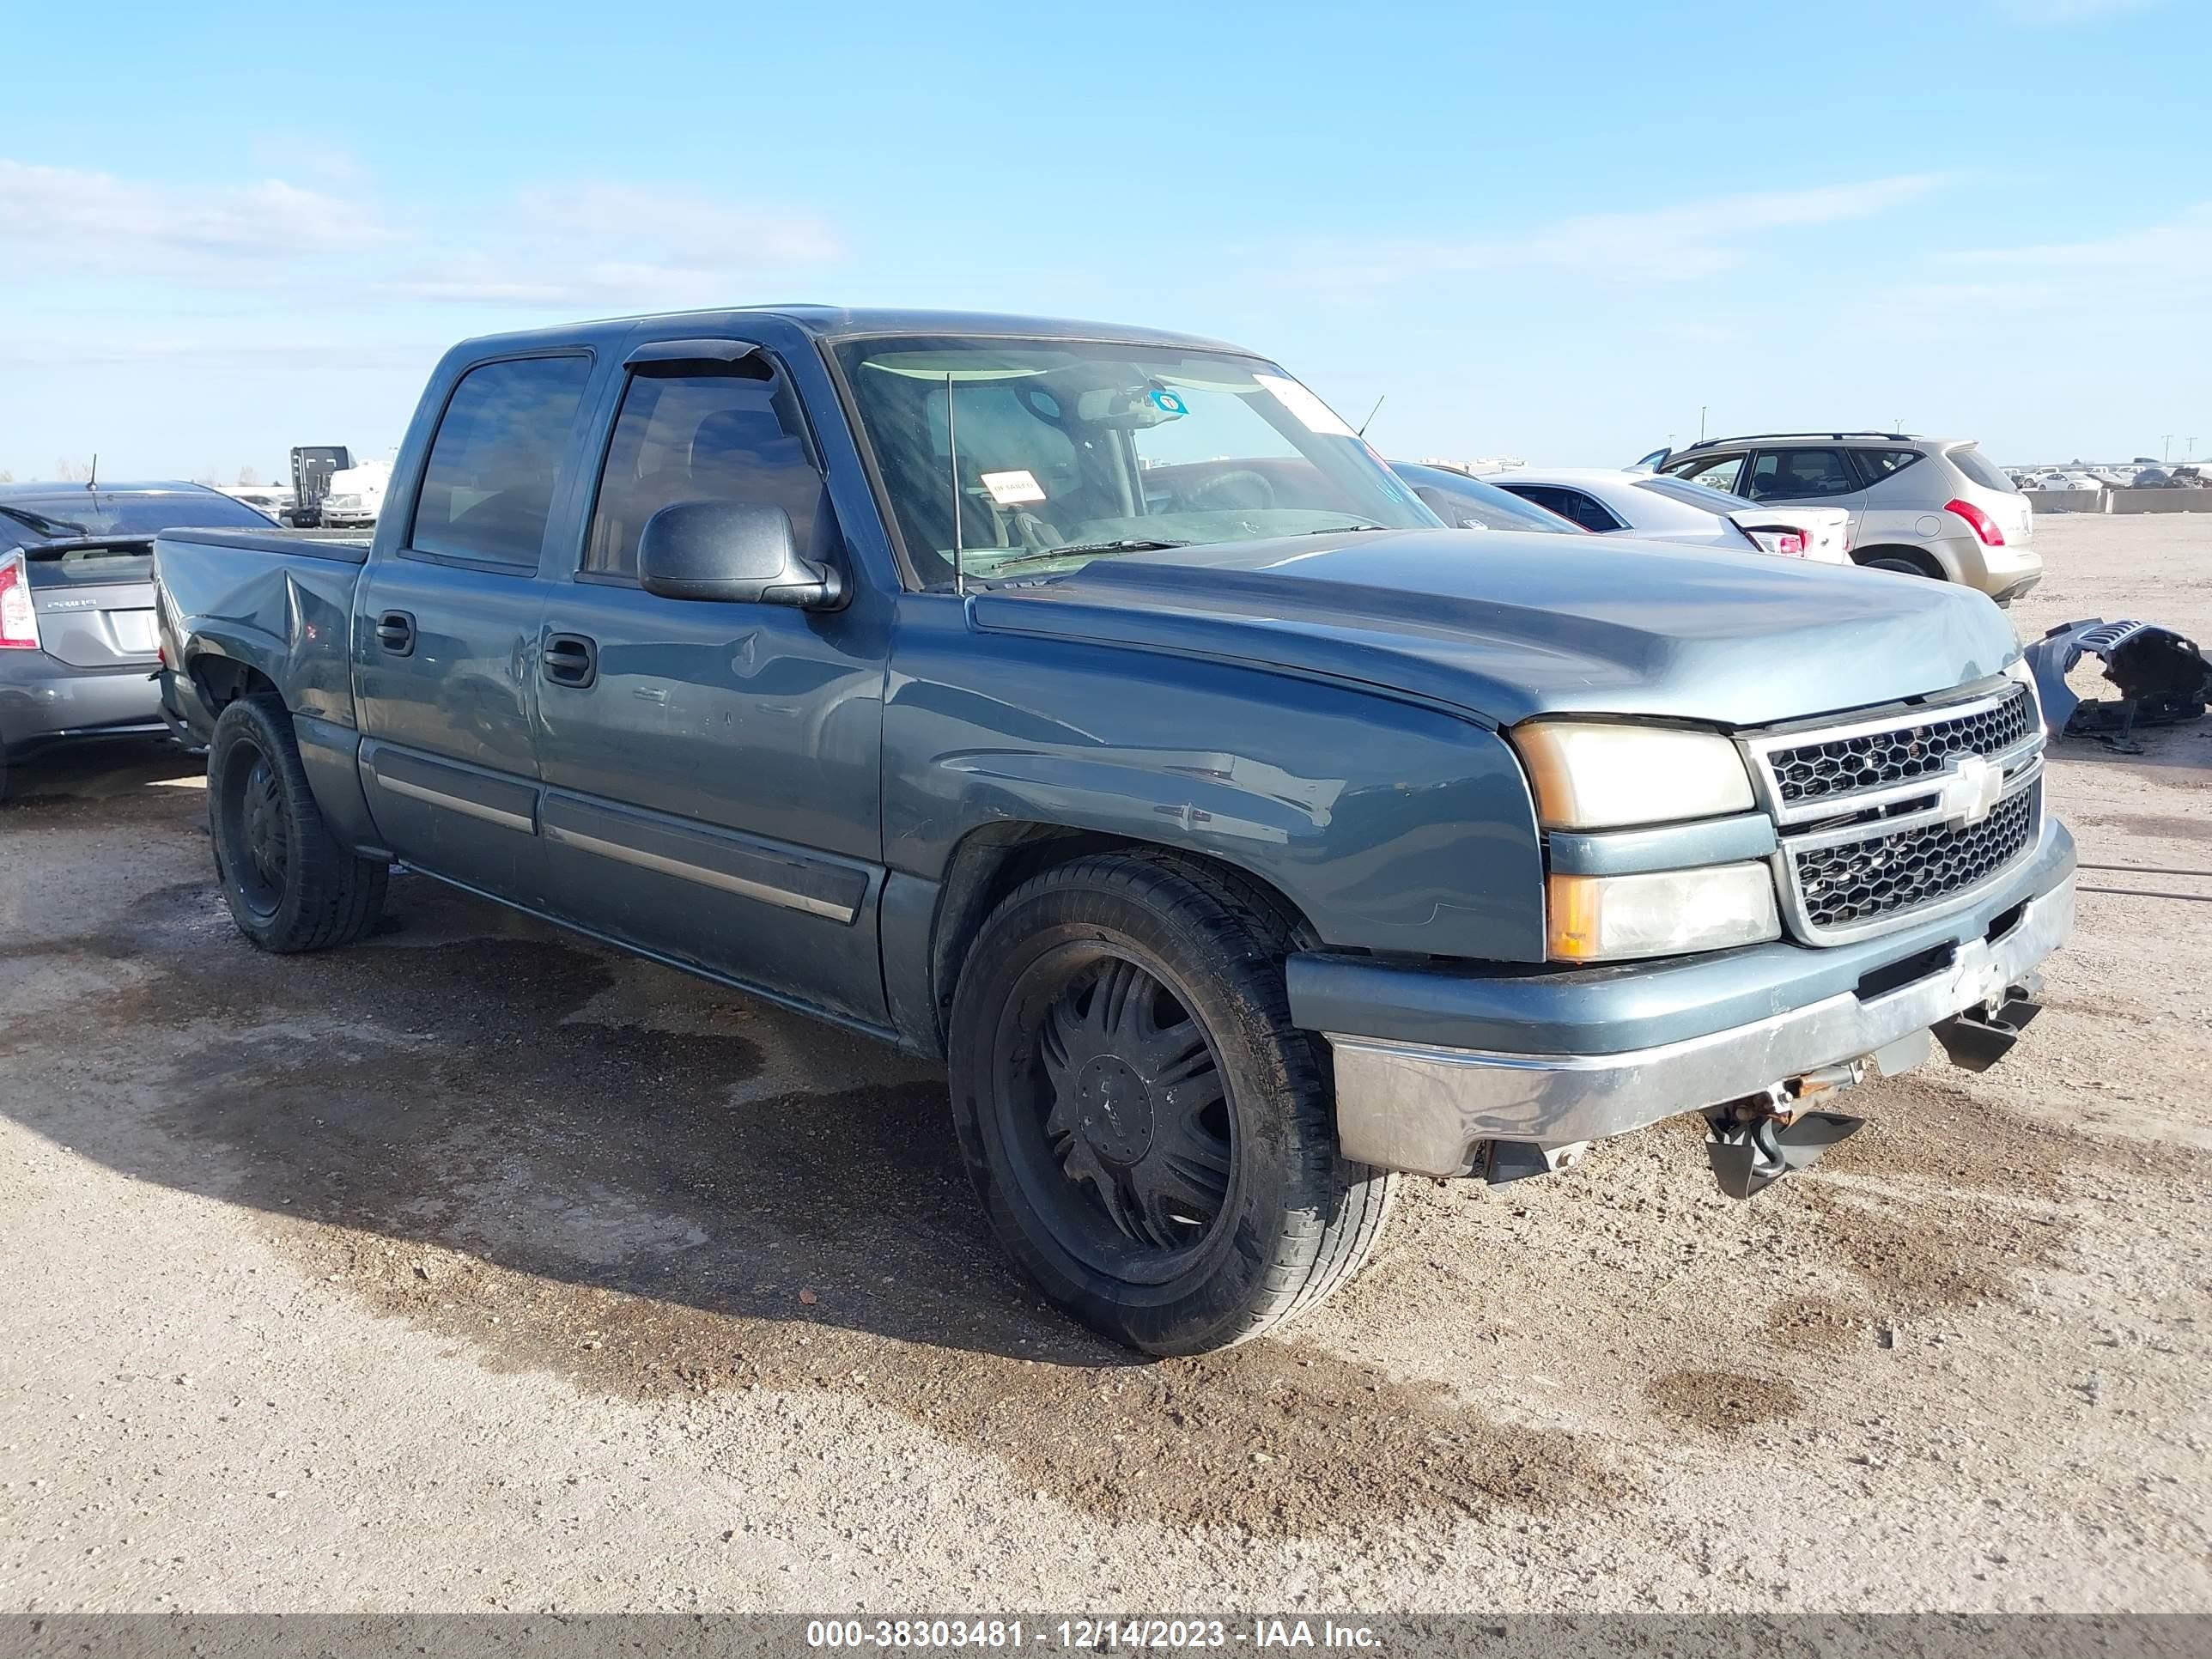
[735, 552]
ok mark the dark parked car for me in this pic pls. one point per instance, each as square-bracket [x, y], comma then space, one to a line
[76, 606]
[1468, 503]
[1090, 708]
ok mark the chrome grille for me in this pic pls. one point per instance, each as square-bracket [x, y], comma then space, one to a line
[1848, 883]
[1889, 818]
[1838, 767]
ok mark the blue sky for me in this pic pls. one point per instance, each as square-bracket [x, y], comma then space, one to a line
[1550, 231]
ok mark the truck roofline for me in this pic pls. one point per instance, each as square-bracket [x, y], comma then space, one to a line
[826, 322]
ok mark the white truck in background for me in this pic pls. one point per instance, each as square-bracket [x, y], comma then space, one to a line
[355, 495]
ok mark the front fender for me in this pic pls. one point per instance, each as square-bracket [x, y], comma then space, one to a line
[1392, 826]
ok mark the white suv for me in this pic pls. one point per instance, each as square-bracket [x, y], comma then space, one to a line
[1928, 507]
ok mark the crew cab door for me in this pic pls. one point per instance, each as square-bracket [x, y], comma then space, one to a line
[712, 769]
[445, 636]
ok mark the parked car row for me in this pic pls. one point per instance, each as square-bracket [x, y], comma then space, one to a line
[1092, 710]
[1923, 506]
[76, 606]
[2142, 475]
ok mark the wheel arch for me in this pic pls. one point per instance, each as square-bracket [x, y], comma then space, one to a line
[221, 679]
[1920, 557]
[994, 859]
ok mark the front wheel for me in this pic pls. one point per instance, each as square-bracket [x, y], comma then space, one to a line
[1153, 1140]
[289, 885]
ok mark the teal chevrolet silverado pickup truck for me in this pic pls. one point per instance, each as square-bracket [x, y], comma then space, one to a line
[1090, 708]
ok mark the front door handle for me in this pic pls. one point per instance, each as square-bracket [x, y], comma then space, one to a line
[570, 659]
[395, 632]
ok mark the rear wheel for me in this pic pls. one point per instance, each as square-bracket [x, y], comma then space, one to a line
[289, 885]
[1154, 1142]
[1903, 561]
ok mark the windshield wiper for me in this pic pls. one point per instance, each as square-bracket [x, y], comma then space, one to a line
[1049, 554]
[42, 524]
[1342, 529]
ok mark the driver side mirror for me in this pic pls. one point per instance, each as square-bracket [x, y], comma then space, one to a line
[735, 552]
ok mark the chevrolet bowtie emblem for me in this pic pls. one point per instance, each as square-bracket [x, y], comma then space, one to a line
[1971, 789]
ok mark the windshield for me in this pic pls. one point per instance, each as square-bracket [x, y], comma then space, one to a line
[1071, 450]
[63, 516]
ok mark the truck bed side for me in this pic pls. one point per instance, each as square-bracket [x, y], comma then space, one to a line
[278, 604]
[247, 611]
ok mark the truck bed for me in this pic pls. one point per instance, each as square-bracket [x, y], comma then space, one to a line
[345, 546]
[279, 603]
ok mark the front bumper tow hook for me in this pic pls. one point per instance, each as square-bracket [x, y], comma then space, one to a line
[1753, 1142]
[1979, 1037]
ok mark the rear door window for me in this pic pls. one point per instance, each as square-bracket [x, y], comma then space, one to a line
[727, 436]
[488, 486]
[1585, 510]
[1875, 465]
[1800, 475]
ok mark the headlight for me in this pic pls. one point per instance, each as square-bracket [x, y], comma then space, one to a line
[1605, 918]
[1592, 776]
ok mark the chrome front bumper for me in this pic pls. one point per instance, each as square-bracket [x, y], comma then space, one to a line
[1429, 1110]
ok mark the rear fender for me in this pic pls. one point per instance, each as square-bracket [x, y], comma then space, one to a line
[288, 630]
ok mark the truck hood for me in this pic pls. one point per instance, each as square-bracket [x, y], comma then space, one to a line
[1506, 625]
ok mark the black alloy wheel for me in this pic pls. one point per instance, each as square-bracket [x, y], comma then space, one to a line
[1152, 1138]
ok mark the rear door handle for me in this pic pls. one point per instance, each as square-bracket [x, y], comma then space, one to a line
[570, 659]
[395, 632]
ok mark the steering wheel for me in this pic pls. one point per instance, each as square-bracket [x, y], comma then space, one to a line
[1251, 490]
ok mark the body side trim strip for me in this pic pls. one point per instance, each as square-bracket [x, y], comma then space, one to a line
[723, 859]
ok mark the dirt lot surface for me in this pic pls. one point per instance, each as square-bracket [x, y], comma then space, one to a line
[477, 1268]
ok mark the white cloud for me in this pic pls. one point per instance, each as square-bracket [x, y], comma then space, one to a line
[1678, 243]
[88, 221]
[592, 244]
[600, 244]
[2181, 247]
[2134, 282]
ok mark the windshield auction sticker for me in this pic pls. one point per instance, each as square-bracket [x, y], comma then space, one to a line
[1013, 489]
[1317, 416]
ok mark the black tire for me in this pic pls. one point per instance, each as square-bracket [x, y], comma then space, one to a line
[1106, 1205]
[289, 885]
[1903, 563]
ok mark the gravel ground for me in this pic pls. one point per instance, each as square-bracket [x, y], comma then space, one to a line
[477, 1268]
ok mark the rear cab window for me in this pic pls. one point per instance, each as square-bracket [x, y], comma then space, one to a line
[488, 486]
